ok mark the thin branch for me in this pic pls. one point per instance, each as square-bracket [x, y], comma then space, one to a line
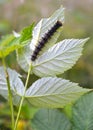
[9, 92]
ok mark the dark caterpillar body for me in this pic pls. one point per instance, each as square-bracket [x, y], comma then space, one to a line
[45, 39]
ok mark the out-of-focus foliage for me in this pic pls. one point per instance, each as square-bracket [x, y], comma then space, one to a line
[82, 113]
[27, 113]
[46, 119]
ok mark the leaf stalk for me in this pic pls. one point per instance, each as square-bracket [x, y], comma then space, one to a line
[22, 99]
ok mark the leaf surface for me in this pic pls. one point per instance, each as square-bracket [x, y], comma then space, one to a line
[26, 33]
[83, 113]
[17, 87]
[53, 92]
[46, 119]
[10, 43]
[59, 58]
[24, 57]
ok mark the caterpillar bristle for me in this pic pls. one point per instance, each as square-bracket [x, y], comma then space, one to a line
[45, 39]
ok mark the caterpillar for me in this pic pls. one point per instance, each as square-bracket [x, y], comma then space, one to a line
[45, 39]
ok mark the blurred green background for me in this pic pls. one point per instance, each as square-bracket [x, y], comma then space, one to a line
[16, 14]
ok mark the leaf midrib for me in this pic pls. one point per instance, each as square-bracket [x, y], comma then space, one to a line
[53, 94]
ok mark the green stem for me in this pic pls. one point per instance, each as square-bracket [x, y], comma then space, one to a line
[9, 92]
[22, 99]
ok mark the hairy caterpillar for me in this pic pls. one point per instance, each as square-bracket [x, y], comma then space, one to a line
[45, 39]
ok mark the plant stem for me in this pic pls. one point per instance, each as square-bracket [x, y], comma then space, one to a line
[22, 99]
[9, 92]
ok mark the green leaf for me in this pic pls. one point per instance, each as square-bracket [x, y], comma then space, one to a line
[10, 43]
[46, 119]
[43, 26]
[6, 45]
[59, 58]
[26, 33]
[53, 92]
[83, 113]
[17, 87]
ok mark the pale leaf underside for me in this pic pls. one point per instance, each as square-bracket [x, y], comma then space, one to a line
[59, 58]
[53, 92]
[17, 87]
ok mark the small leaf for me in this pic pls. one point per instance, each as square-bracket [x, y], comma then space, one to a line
[43, 26]
[83, 113]
[53, 92]
[26, 33]
[17, 87]
[6, 45]
[59, 58]
[46, 119]
[10, 43]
